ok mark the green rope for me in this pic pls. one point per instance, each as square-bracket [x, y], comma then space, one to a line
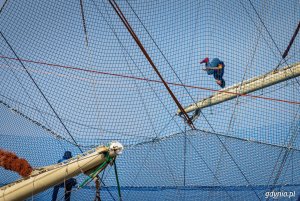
[118, 183]
[93, 174]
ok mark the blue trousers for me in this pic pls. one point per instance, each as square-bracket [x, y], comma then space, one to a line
[218, 75]
[69, 184]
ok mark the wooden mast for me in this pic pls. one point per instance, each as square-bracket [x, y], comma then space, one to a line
[48, 176]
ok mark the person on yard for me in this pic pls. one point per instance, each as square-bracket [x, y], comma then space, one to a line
[215, 68]
[68, 184]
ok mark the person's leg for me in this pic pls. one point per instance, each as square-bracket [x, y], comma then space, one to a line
[68, 189]
[55, 192]
[221, 83]
[210, 72]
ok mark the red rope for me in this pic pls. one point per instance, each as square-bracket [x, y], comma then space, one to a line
[149, 80]
[11, 161]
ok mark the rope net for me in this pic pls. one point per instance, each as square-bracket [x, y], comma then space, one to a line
[72, 77]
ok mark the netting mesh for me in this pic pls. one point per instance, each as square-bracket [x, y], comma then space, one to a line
[66, 92]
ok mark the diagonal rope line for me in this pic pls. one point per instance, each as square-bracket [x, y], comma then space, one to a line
[291, 41]
[121, 44]
[281, 55]
[39, 89]
[246, 69]
[130, 30]
[212, 172]
[32, 101]
[168, 64]
[2, 8]
[266, 29]
[160, 50]
[239, 168]
[280, 62]
[150, 80]
[126, 51]
[83, 22]
[285, 152]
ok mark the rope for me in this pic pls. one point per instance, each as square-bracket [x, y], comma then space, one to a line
[83, 22]
[291, 41]
[148, 80]
[94, 173]
[57, 136]
[39, 89]
[124, 49]
[265, 27]
[118, 183]
[246, 69]
[3, 6]
[130, 30]
[160, 50]
[98, 185]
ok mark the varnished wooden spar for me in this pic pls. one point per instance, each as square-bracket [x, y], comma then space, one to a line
[248, 86]
[48, 176]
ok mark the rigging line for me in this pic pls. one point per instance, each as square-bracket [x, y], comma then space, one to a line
[287, 151]
[257, 27]
[130, 30]
[127, 134]
[143, 101]
[143, 143]
[226, 149]
[291, 41]
[18, 80]
[165, 60]
[135, 83]
[291, 160]
[160, 50]
[148, 80]
[171, 171]
[278, 173]
[187, 118]
[111, 195]
[193, 147]
[122, 17]
[84, 23]
[184, 157]
[222, 135]
[266, 30]
[3, 6]
[67, 120]
[285, 61]
[35, 106]
[41, 92]
[125, 50]
[280, 62]
[212, 172]
[287, 148]
[102, 181]
[47, 72]
[247, 66]
[36, 122]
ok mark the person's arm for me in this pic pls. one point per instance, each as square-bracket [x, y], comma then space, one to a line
[220, 66]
